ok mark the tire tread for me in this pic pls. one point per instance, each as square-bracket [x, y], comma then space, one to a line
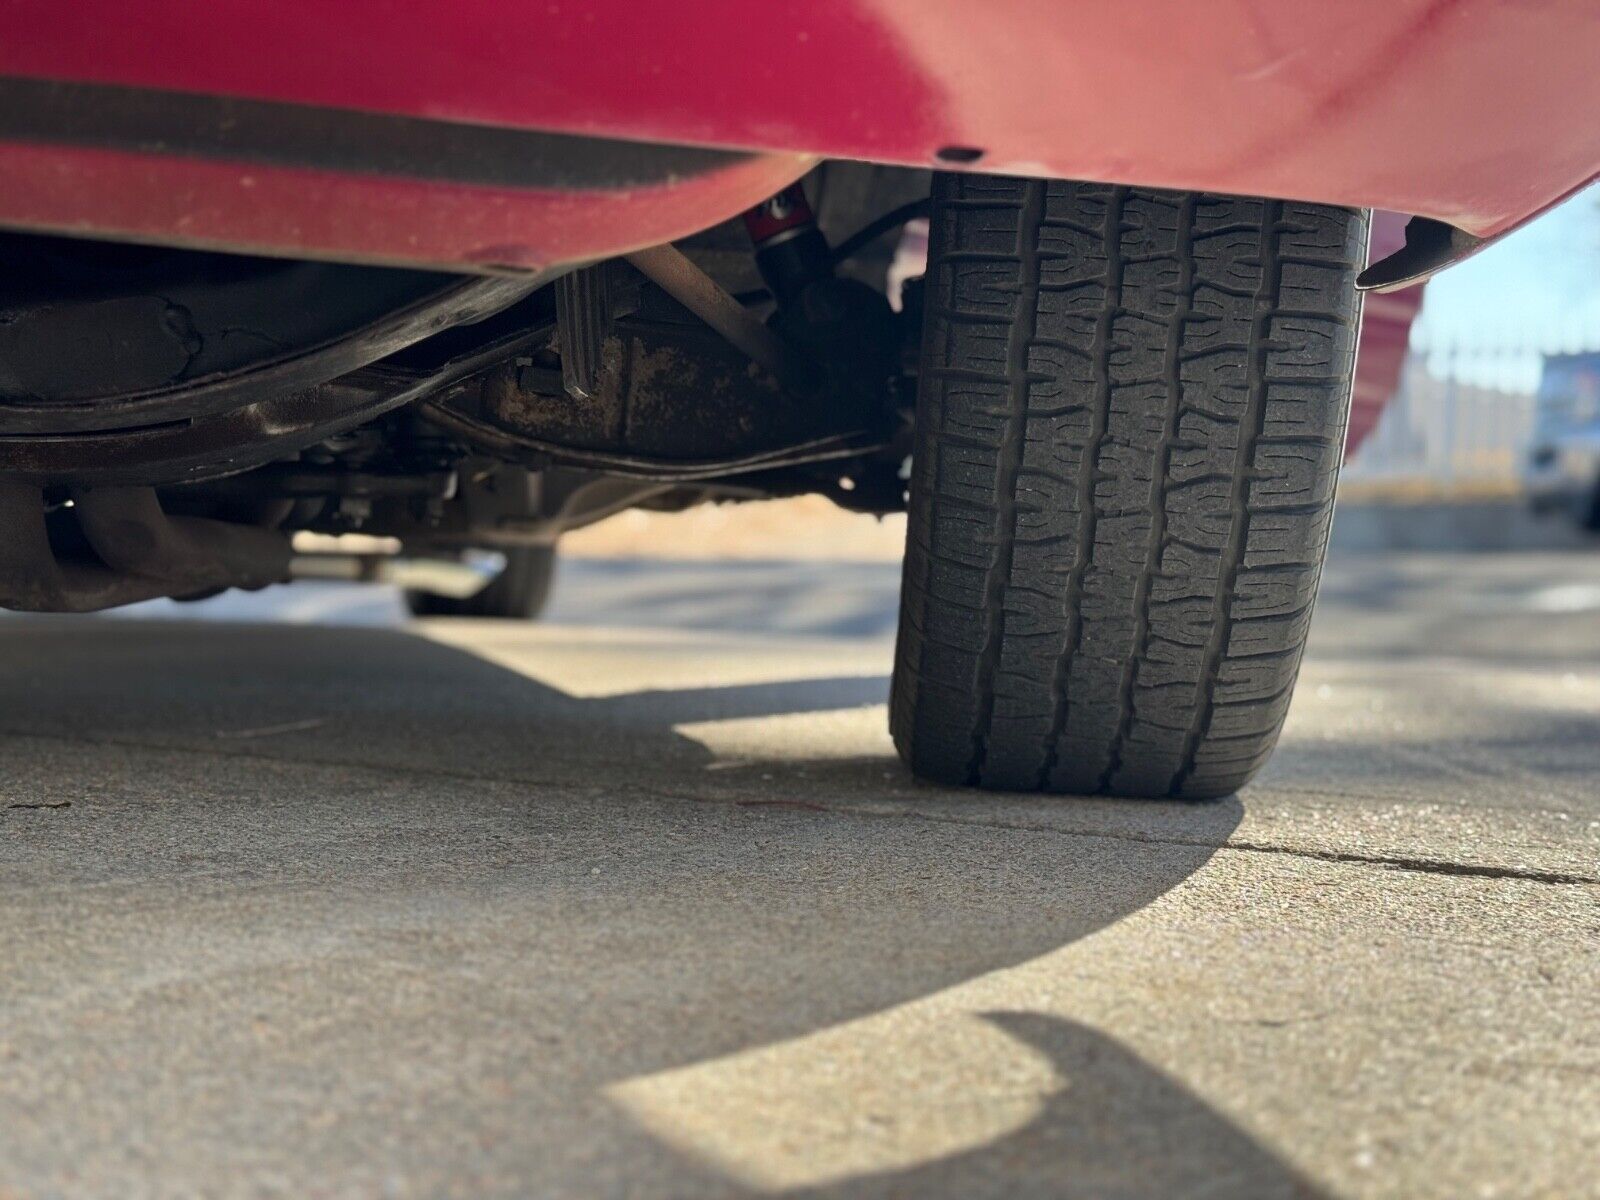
[1131, 417]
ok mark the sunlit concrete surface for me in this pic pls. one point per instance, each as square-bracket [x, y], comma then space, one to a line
[297, 899]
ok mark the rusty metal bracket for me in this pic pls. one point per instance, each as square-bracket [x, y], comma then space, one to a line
[127, 529]
[668, 269]
[140, 552]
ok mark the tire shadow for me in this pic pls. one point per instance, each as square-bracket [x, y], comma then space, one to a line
[1118, 1130]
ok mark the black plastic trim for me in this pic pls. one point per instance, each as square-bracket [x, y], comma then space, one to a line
[151, 121]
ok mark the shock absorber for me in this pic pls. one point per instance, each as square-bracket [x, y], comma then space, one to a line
[791, 252]
[841, 325]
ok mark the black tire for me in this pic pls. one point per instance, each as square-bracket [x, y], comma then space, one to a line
[520, 592]
[1131, 413]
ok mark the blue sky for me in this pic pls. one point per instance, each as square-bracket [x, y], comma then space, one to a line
[1539, 288]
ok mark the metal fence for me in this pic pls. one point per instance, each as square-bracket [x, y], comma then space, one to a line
[1462, 417]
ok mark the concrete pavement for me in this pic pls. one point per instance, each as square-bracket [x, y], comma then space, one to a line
[637, 902]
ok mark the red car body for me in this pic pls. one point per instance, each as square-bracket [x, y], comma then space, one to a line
[1478, 113]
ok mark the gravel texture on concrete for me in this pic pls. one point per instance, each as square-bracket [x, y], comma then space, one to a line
[638, 903]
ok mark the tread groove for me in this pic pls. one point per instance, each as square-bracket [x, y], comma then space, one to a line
[1086, 506]
[1021, 333]
[1253, 425]
[1160, 479]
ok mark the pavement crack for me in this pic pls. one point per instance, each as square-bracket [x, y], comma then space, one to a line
[1430, 866]
[1278, 1022]
[1424, 866]
[43, 804]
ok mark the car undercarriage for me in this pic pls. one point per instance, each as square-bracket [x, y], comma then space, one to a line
[170, 418]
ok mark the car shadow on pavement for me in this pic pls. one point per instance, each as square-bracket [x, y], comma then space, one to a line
[726, 915]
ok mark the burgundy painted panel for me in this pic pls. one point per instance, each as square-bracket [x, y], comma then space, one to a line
[1478, 112]
[324, 214]
[1385, 336]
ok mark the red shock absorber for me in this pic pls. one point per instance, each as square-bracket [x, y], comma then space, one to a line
[791, 252]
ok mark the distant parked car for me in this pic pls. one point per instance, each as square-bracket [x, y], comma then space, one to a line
[1562, 474]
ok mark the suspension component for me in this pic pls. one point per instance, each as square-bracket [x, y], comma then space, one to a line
[668, 269]
[791, 252]
[583, 318]
[842, 326]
